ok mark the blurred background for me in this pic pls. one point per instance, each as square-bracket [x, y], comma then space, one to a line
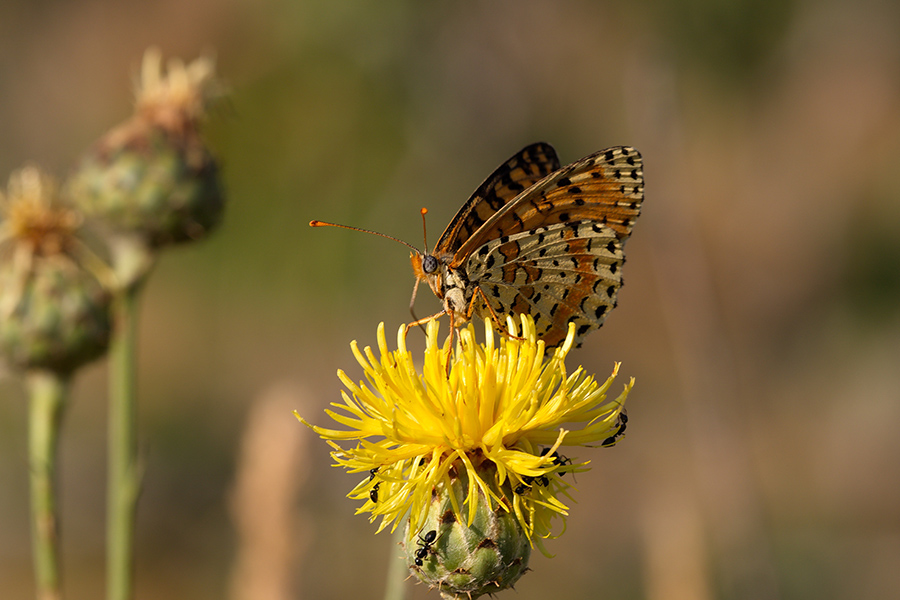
[760, 315]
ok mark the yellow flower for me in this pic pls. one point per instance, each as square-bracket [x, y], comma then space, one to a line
[497, 413]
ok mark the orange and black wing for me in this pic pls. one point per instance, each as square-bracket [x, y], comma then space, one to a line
[525, 168]
[561, 274]
[606, 188]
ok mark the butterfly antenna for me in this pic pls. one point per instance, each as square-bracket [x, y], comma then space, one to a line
[424, 212]
[315, 223]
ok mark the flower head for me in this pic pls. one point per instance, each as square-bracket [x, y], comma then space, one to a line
[152, 178]
[497, 415]
[53, 304]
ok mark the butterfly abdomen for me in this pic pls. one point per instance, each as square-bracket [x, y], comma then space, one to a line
[457, 294]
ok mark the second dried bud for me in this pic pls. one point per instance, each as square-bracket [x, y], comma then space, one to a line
[153, 176]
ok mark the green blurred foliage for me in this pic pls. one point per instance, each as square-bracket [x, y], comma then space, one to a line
[730, 41]
[759, 315]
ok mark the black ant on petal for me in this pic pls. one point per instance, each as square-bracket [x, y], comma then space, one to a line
[623, 423]
[527, 482]
[373, 493]
[558, 459]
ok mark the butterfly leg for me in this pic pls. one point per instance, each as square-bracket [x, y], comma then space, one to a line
[494, 317]
[412, 311]
[421, 322]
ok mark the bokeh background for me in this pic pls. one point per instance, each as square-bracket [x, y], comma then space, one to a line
[760, 315]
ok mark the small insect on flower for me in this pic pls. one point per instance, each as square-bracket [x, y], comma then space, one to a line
[425, 544]
[614, 438]
[457, 446]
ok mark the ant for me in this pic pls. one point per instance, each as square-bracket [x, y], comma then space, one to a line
[542, 481]
[611, 440]
[373, 493]
[425, 546]
[558, 459]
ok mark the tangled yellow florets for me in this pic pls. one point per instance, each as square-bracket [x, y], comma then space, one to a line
[497, 405]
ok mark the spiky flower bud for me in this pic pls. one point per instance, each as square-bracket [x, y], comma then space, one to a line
[468, 560]
[53, 311]
[153, 176]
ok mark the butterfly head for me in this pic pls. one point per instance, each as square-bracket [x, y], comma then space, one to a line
[429, 264]
[427, 267]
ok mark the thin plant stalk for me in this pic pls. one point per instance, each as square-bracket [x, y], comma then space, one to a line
[397, 573]
[132, 262]
[124, 477]
[47, 398]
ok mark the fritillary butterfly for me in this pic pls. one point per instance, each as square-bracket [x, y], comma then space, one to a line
[539, 239]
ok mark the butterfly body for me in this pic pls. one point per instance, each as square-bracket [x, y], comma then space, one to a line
[539, 239]
[450, 285]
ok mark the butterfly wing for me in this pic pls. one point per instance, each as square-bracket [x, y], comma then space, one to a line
[525, 168]
[606, 187]
[567, 272]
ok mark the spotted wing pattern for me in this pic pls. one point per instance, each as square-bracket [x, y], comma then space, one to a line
[561, 273]
[528, 166]
[606, 187]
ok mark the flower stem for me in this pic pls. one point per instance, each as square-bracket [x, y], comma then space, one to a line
[47, 391]
[124, 477]
[397, 573]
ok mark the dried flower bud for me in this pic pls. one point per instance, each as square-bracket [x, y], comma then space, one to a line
[53, 311]
[153, 175]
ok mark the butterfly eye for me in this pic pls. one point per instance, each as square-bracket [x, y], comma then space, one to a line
[429, 264]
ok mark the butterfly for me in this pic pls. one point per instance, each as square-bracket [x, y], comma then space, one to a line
[537, 238]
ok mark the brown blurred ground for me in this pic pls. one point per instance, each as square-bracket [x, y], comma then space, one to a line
[761, 315]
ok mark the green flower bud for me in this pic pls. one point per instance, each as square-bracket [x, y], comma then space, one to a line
[468, 560]
[153, 175]
[54, 312]
[152, 182]
[54, 316]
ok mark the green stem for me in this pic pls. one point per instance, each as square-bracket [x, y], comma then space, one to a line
[47, 391]
[124, 477]
[397, 572]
